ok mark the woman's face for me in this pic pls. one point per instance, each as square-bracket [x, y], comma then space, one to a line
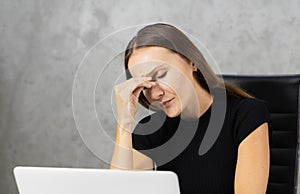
[174, 91]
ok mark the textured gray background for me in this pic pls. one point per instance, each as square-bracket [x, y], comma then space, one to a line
[43, 42]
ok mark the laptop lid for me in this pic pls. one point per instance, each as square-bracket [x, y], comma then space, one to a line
[50, 180]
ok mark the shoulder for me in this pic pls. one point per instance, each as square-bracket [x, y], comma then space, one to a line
[152, 131]
[235, 102]
[246, 115]
[239, 103]
[247, 105]
[153, 122]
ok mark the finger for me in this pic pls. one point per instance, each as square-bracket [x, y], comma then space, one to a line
[142, 78]
[137, 92]
[143, 84]
[139, 80]
[133, 83]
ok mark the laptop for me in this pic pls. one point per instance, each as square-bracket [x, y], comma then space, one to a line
[51, 180]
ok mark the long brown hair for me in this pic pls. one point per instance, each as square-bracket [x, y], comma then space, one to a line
[168, 36]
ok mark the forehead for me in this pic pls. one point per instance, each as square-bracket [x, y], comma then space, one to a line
[143, 69]
[144, 60]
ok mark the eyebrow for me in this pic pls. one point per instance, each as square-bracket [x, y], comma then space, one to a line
[153, 70]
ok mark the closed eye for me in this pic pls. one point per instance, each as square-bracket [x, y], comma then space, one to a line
[161, 75]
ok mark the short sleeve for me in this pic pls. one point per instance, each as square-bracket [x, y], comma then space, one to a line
[149, 133]
[140, 141]
[250, 113]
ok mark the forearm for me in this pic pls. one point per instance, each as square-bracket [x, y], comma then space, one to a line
[122, 157]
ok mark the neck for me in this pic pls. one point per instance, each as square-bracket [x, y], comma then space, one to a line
[197, 109]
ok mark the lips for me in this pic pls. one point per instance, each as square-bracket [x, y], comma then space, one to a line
[167, 103]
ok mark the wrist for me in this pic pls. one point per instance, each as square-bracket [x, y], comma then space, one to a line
[124, 128]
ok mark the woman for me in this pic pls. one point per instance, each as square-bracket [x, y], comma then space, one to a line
[168, 74]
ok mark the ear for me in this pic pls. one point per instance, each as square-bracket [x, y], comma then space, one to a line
[194, 67]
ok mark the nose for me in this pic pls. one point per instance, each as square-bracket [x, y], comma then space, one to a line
[156, 92]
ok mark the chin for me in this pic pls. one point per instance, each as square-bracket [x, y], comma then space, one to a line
[172, 113]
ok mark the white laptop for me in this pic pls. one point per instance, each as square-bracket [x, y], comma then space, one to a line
[50, 180]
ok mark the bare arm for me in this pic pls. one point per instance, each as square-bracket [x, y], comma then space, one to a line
[122, 157]
[252, 170]
[125, 157]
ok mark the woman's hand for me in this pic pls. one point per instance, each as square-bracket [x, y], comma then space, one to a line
[127, 95]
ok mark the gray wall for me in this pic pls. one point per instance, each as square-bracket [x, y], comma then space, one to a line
[43, 42]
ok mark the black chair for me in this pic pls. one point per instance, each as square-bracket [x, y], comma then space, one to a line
[281, 95]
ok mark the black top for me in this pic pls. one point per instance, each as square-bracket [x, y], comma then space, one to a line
[173, 144]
